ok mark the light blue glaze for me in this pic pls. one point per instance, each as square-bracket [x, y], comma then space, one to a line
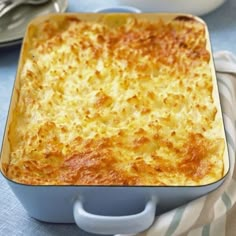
[123, 9]
[222, 28]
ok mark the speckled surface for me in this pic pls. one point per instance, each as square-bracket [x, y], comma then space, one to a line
[13, 218]
[221, 22]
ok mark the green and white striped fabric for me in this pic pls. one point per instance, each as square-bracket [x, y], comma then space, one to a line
[215, 213]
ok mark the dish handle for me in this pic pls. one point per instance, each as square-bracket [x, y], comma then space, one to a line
[127, 224]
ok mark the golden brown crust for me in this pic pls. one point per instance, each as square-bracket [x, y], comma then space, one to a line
[124, 105]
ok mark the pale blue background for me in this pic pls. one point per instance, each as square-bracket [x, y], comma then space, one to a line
[13, 218]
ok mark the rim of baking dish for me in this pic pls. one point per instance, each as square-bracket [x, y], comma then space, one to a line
[181, 16]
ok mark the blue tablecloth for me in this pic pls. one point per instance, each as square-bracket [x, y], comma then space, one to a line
[13, 218]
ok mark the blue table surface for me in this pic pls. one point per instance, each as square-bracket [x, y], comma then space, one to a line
[222, 27]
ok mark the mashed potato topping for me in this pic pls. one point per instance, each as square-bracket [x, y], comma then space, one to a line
[127, 102]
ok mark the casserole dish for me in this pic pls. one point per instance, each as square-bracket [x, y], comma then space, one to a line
[118, 9]
[117, 205]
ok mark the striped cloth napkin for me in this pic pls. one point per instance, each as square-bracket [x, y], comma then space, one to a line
[215, 213]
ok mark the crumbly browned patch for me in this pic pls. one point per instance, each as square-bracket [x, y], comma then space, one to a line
[124, 105]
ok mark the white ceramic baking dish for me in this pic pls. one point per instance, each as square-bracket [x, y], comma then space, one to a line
[195, 7]
[103, 209]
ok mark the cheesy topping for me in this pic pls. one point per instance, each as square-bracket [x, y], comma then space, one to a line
[121, 101]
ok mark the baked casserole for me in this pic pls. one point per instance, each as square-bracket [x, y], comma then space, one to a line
[118, 101]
